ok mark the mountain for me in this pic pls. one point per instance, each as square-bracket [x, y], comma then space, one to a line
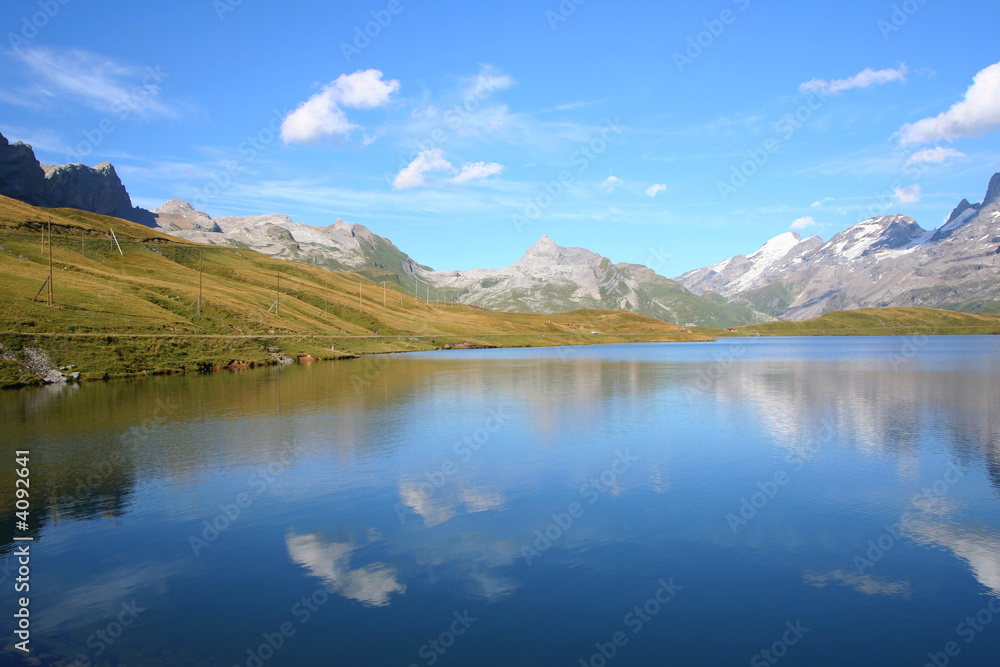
[338, 247]
[550, 278]
[884, 261]
[94, 189]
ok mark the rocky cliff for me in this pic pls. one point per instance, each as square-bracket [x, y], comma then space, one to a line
[95, 189]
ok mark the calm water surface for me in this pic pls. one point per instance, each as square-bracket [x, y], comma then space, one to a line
[831, 501]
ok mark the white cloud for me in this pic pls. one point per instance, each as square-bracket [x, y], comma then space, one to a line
[93, 80]
[322, 114]
[817, 204]
[653, 190]
[976, 114]
[803, 223]
[475, 171]
[935, 155]
[576, 105]
[863, 79]
[611, 182]
[413, 174]
[907, 195]
[488, 81]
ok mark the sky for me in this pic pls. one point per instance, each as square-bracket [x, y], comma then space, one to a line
[668, 134]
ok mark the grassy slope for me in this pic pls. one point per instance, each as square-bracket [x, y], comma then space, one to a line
[873, 322]
[125, 314]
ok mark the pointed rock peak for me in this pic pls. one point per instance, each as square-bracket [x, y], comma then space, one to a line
[993, 191]
[962, 207]
[544, 246]
[359, 231]
[178, 207]
[544, 242]
[340, 224]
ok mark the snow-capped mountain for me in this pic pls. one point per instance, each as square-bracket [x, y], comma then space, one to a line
[883, 261]
[778, 257]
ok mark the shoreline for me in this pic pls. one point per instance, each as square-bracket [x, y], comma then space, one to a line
[302, 349]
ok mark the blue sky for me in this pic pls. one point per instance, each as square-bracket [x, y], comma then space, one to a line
[669, 134]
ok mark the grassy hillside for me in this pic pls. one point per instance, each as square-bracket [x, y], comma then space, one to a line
[872, 322]
[133, 310]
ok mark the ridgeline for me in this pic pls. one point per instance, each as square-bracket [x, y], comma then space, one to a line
[125, 302]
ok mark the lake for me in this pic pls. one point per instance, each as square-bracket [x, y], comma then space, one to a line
[808, 501]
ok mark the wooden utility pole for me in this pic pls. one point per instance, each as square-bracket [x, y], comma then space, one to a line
[201, 270]
[115, 239]
[50, 260]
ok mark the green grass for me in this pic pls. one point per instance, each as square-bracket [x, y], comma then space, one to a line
[131, 312]
[872, 322]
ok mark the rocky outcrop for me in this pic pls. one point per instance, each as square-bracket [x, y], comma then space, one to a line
[962, 207]
[95, 189]
[177, 214]
[21, 177]
[993, 191]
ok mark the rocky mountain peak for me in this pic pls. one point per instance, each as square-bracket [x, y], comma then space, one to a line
[182, 215]
[95, 189]
[181, 208]
[962, 207]
[21, 177]
[885, 232]
[993, 190]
